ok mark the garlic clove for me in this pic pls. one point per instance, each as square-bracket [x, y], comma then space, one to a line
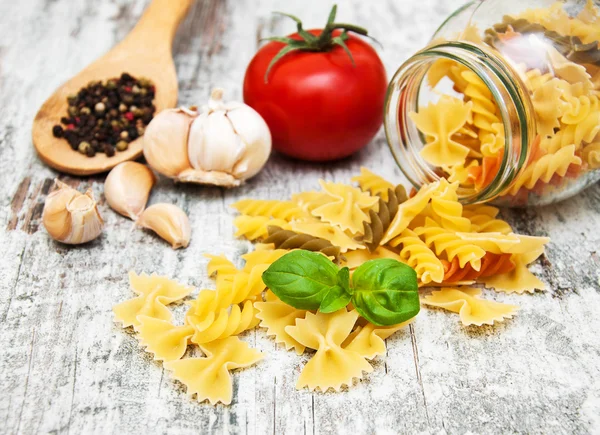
[127, 188]
[213, 144]
[255, 134]
[71, 217]
[165, 141]
[169, 222]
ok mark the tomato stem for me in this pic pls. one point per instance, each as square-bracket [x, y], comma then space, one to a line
[309, 42]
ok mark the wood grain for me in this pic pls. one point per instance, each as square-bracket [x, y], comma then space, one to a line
[67, 368]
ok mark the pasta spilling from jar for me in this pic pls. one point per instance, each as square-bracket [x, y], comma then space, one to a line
[557, 59]
[451, 247]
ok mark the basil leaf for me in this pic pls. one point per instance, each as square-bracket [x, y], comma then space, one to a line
[385, 292]
[336, 299]
[344, 279]
[301, 279]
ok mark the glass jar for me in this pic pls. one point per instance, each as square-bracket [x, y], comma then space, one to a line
[505, 100]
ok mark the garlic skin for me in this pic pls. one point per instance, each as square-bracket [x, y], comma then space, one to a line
[71, 217]
[169, 222]
[127, 188]
[226, 143]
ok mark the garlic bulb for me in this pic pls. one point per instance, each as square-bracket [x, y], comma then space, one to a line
[224, 145]
[169, 222]
[70, 216]
[127, 188]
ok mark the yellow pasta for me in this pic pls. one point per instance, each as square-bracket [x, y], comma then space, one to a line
[472, 309]
[219, 264]
[448, 242]
[255, 227]
[548, 107]
[545, 168]
[261, 258]
[520, 279]
[276, 316]
[209, 378]
[329, 232]
[286, 210]
[332, 366]
[591, 155]
[223, 324]
[353, 259]
[373, 183]
[347, 207]
[154, 292]
[162, 338]
[447, 210]
[485, 114]
[408, 210]
[368, 341]
[439, 121]
[417, 255]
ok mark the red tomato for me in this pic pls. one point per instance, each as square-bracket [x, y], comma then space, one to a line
[318, 105]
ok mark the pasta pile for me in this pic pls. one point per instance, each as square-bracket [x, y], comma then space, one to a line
[465, 135]
[449, 246]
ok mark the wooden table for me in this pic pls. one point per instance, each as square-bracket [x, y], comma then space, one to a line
[67, 368]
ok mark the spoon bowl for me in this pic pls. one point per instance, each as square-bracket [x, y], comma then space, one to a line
[145, 52]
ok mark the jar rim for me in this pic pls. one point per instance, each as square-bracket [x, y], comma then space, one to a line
[507, 90]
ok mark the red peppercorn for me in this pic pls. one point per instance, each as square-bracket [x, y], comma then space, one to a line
[127, 88]
[129, 116]
[77, 120]
[70, 126]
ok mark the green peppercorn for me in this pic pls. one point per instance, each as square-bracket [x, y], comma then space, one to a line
[73, 111]
[143, 92]
[122, 145]
[114, 123]
[83, 147]
[124, 134]
[122, 108]
[135, 89]
[85, 110]
[72, 99]
[111, 84]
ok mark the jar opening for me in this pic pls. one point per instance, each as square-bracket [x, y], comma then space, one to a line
[485, 80]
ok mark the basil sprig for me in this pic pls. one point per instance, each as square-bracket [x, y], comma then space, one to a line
[383, 291]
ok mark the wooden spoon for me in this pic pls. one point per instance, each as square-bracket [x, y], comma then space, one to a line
[145, 52]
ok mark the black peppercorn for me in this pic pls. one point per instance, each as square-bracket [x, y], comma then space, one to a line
[57, 131]
[105, 117]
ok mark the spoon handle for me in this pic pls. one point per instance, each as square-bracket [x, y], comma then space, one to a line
[160, 21]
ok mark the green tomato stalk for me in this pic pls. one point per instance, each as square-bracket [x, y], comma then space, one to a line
[309, 42]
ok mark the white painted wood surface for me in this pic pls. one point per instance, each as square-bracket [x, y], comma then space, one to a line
[65, 367]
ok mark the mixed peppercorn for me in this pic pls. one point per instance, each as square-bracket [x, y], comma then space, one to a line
[106, 117]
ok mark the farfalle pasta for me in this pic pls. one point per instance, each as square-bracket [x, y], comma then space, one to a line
[332, 365]
[472, 309]
[346, 206]
[154, 293]
[275, 316]
[447, 244]
[208, 378]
